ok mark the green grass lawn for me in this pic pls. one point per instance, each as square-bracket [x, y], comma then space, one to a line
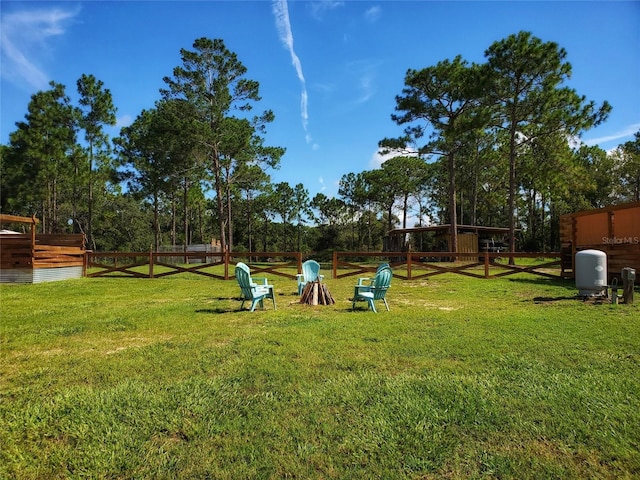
[463, 378]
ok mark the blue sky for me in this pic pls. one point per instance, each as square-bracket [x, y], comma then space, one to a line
[328, 69]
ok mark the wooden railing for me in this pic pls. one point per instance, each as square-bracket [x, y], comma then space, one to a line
[406, 265]
[427, 264]
[45, 251]
[208, 264]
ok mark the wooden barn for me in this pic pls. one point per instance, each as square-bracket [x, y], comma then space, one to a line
[614, 230]
[472, 239]
[34, 258]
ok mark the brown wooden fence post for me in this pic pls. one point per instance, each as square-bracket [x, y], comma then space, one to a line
[226, 264]
[409, 258]
[486, 264]
[151, 264]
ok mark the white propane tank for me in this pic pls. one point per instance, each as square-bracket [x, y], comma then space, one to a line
[591, 273]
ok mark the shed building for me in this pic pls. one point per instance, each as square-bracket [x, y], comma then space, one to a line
[33, 258]
[472, 239]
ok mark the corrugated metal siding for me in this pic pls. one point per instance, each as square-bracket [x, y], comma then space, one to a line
[16, 275]
[54, 274]
[39, 275]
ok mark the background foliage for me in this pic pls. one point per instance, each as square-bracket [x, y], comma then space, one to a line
[491, 144]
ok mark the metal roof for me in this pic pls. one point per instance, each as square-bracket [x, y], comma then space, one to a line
[445, 227]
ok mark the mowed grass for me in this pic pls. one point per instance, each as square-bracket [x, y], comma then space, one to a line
[463, 378]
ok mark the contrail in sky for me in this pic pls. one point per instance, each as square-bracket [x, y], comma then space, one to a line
[24, 38]
[281, 13]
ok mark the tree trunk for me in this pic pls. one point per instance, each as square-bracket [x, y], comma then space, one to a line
[156, 232]
[185, 212]
[174, 235]
[512, 192]
[90, 209]
[229, 216]
[453, 230]
[219, 201]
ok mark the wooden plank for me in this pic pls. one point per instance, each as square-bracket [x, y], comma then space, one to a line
[75, 240]
[26, 263]
[16, 252]
[57, 259]
[58, 265]
[4, 218]
[178, 269]
[41, 252]
[10, 240]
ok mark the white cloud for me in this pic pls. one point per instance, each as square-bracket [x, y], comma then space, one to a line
[124, 121]
[283, 24]
[373, 14]
[364, 74]
[25, 39]
[366, 88]
[377, 159]
[319, 8]
[626, 132]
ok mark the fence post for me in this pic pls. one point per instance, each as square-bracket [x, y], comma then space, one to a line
[335, 264]
[151, 264]
[226, 264]
[486, 264]
[409, 258]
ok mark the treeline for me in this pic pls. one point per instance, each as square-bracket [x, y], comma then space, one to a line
[493, 144]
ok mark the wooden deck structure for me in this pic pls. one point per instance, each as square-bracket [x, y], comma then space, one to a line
[34, 258]
[614, 230]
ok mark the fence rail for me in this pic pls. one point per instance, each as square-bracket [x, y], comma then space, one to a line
[211, 264]
[406, 265]
[427, 264]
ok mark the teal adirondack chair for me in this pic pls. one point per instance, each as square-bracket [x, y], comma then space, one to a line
[376, 290]
[252, 291]
[310, 273]
[362, 280]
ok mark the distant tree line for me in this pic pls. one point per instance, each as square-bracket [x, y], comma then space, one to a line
[491, 144]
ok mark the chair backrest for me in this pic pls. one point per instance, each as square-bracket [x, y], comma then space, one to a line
[243, 276]
[381, 266]
[310, 270]
[381, 282]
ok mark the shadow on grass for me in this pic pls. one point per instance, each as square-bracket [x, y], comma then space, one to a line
[568, 284]
[553, 299]
[579, 298]
[215, 310]
[221, 309]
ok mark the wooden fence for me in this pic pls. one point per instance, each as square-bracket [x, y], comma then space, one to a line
[427, 264]
[213, 265]
[26, 251]
[614, 230]
[406, 265]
